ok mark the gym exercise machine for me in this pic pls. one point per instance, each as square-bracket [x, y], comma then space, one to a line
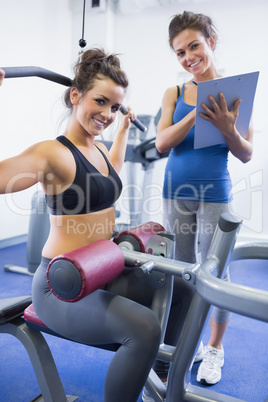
[39, 226]
[159, 271]
[147, 251]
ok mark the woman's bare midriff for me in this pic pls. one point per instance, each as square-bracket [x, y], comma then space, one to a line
[70, 232]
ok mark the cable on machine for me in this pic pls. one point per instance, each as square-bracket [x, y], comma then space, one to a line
[29, 71]
[82, 42]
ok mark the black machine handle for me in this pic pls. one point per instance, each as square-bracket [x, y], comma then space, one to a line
[33, 71]
[136, 122]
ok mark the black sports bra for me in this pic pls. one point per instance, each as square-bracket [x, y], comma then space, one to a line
[90, 190]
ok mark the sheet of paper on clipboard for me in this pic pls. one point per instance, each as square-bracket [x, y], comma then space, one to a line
[241, 86]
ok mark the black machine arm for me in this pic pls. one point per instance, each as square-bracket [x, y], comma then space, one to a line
[33, 71]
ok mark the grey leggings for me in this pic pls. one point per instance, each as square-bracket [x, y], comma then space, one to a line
[194, 224]
[104, 318]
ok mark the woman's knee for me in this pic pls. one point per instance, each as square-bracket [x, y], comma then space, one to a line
[149, 330]
[220, 316]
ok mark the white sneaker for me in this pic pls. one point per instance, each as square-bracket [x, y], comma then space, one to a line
[200, 353]
[209, 371]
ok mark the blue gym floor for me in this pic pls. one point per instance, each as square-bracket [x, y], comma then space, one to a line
[82, 369]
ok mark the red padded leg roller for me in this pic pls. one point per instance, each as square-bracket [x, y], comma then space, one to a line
[76, 274]
[140, 235]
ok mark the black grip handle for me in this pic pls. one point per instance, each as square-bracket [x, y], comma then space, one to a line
[33, 71]
[136, 122]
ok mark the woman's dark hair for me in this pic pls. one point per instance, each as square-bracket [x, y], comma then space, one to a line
[189, 20]
[95, 64]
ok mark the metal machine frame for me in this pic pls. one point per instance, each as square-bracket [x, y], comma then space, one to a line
[210, 290]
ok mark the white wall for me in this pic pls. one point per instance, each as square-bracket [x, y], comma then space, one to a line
[32, 33]
[46, 33]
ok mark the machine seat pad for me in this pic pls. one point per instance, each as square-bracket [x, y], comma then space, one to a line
[33, 321]
[31, 317]
[13, 307]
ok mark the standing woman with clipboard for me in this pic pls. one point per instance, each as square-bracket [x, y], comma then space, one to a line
[197, 185]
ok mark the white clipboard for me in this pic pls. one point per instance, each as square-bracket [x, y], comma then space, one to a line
[241, 86]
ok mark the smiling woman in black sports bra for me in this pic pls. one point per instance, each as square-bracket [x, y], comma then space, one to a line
[81, 183]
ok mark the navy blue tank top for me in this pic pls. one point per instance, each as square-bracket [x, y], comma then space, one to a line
[90, 190]
[196, 174]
